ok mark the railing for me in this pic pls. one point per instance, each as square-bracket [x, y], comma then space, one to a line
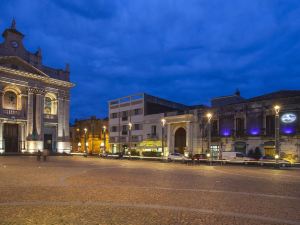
[50, 117]
[12, 113]
[152, 136]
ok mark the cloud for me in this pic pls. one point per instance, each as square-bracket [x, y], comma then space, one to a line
[188, 51]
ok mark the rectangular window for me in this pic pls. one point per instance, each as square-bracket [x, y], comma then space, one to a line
[137, 111]
[113, 115]
[240, 127]
[270, 125]
[153, 130]
[214, 128]
[124, 115]
[137, 126]
[113, 129]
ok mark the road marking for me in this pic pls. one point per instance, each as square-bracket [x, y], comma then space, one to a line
[153, 206]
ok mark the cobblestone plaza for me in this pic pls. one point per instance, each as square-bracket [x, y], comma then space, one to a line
[78, 190]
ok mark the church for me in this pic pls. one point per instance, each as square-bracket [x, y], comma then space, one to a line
[34, 99]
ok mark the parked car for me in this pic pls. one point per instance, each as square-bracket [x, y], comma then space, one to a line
[271, 160]
[199, 156]
[176, 157]
[233, 156]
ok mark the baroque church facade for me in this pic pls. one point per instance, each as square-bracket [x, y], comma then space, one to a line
[34, 99]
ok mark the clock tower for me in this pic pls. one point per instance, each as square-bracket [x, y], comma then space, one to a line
[13, 38]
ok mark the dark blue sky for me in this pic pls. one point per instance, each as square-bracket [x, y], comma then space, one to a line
[184, 50]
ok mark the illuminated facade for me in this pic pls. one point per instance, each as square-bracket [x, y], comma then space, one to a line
[237, 124]
[90, 135]
[135, 122]
[34, 99]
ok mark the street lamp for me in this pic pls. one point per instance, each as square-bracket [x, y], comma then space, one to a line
[79, 147]
[104, 137]
[277, 133]
[129, 135]
[85, 144]
[163, 123]
[209, 116]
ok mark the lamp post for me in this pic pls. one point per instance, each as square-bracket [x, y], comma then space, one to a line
[85, 144]
[163, 123]
[209, 116]
[79, 147]
[129, 135]
[104, 138]
[277, 133]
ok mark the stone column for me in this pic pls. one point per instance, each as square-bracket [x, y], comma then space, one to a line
[1, 99]
[35, 109]
[23, 137]
[188, 136]
[1, 138]
[39, 116]
[169, 141]
[63, 144]
[30, 113]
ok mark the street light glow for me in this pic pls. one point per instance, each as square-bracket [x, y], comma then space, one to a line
[130, 125]
[209, 116]
[85, 130]
[277, 108]
[163, 121]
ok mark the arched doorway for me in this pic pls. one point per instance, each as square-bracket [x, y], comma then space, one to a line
[180, 140]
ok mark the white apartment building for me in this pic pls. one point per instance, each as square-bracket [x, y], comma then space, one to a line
[136, 119]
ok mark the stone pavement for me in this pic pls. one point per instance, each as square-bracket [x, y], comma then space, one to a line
[78, 190]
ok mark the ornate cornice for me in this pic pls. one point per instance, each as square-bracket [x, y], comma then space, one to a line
[33, 76]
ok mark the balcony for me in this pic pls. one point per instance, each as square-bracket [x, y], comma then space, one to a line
[13, 114]
[152, 137]
[50, 118]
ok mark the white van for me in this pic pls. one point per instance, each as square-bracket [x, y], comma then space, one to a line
[233, 156]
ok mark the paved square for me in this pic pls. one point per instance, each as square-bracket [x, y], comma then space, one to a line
[77, 190]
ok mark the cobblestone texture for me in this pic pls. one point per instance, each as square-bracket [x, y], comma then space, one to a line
[75, 190]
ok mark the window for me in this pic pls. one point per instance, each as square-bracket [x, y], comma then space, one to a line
[153, 130]
[114, 115]
[137, 112]
[113, 129]
[239, 126]
[124, 115]
[10, 100]
[137, 126]
[270, 125]
[214, 128]
[48, 105]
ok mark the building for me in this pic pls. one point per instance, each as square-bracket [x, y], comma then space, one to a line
[92, 133]
[237, 124]
[34, 99]
[135, 119]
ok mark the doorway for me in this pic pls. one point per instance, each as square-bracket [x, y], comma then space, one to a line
[48, 143]
[180, 140]
[11, 137]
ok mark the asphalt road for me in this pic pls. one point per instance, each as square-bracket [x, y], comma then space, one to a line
[77, 190]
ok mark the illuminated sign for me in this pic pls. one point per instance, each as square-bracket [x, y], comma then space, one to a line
[288, 118]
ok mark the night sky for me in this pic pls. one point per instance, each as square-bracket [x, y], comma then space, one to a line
[183, 50]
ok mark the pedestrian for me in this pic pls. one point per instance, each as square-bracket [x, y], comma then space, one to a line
[45, 154]
[38, 155]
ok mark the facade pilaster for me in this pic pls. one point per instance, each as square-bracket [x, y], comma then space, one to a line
[1, 138]
[63, 142]
[169, 141]
[35, 116]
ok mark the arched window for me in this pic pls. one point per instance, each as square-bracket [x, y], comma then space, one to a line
[50, 104]
[10, 100]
